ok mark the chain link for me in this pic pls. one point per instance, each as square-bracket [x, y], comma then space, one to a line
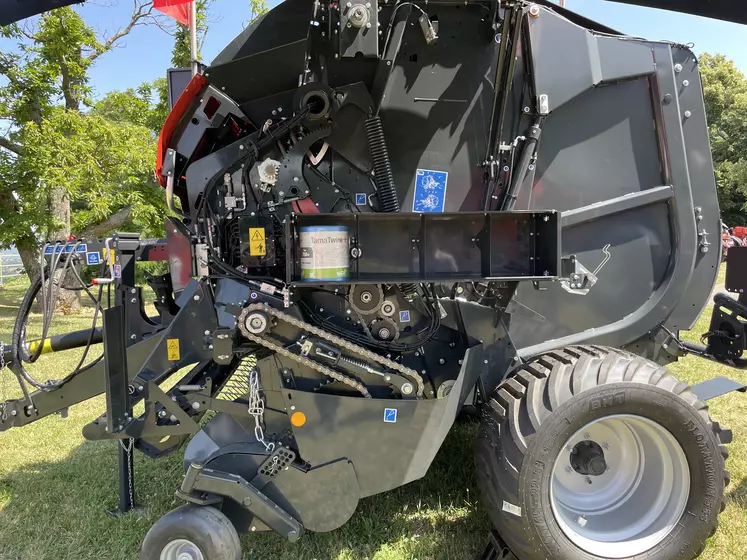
[340, 342]
[130, 465]
[257, 409]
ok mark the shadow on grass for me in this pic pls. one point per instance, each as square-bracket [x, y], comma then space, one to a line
[57, 510]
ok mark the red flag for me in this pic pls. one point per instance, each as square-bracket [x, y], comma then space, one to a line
[180, 10]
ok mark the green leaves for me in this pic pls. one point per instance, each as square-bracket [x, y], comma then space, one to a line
[725, 92]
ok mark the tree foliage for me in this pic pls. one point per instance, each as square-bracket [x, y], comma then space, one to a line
[65, 161]
[725, 91]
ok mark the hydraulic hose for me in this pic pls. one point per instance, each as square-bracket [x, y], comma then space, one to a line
[384, 178]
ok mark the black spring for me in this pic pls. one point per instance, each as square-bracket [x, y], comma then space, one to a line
[388, 201]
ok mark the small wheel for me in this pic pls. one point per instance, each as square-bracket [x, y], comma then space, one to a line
[192, 532]
[594, 453]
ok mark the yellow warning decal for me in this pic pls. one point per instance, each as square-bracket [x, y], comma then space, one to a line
[172, 345]
[257, 245]
[111, 256]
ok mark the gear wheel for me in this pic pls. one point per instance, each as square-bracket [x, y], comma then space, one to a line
[366, 299]
[385, 329]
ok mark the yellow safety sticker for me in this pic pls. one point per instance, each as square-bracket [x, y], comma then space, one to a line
[111, 256]
[172, 346]
[257, 245]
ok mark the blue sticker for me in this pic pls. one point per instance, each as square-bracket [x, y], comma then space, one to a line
[49, 250]
[404, 316]
[361, 199]
[93, 258]
[117, 271]
[390, 415]
[58, 249]
[82, 248]
[430, 191]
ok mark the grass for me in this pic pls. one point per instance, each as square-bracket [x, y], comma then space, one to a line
[55, 487]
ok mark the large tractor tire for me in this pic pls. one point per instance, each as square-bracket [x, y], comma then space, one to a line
[594, 453]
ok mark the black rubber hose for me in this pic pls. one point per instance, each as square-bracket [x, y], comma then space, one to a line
[388, 201]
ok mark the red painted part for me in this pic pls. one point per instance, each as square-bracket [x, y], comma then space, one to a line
[305, 206]
[739, 231]
[180, 107]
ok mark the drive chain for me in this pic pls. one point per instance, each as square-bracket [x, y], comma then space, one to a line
[336, 340]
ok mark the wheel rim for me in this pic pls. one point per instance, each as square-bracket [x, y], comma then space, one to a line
[181, 549]
[626, 499]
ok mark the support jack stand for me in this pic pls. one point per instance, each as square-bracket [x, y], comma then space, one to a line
[496, 549]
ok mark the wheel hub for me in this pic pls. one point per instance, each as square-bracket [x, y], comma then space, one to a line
[587, 458]
[181, 549]
[619, 486]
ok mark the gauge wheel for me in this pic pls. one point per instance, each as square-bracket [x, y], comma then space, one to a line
[595, 453]
[192, 532]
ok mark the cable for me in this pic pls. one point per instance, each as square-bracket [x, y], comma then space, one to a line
[48, 303]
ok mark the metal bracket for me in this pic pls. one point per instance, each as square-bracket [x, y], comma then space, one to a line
[212, 482]
[580, 279]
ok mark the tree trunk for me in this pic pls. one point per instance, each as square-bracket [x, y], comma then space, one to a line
[68, 301]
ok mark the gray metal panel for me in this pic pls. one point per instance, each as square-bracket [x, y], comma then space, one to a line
[632, 316]
[437, 104]
[640, 248]
[384, 455]
[598, 147]
[569, 60]
[615, 206]
[700, 164]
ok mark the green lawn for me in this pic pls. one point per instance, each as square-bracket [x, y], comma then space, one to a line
[55, 487]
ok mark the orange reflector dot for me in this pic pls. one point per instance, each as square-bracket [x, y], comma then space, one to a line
[298, 419]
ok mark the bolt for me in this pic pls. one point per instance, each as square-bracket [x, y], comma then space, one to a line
[349, 4]
[207, 333]
[581, 520]
[247, 502]
[133, 336]
[162, 414]
[587, 479]
[441, 361]
[461, 362]
[485, 361]
[406, 388]
[349, 24]
[280, 109]
[417, 354]
[133, 300]
[253, 529]
[196, 298]
[210, 346]
[678, 67]
[686, 83]
[534, 10]
[688, 114]
[196, 405]
[133, 291]
[423, 371]
[388, 378]
[293, 408]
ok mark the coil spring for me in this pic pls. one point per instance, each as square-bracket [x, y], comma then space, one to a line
[388, 201]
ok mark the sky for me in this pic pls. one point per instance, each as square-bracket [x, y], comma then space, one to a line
[145, 54]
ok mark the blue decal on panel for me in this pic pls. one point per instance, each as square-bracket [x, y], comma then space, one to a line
[390, 415]
[58, 249]
[49, 250]
[82, 248]
[361, 199]
[117, 271]
[430, 191]
[93, 258]
[404, 316]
